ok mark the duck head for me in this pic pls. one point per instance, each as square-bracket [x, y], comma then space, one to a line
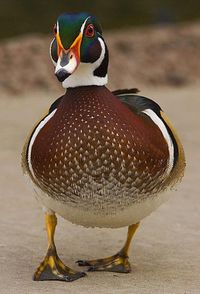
[78, 51]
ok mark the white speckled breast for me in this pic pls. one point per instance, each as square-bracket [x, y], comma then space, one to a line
[94, 154]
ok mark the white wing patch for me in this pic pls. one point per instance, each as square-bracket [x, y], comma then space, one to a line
[155, 118]
[34, 135]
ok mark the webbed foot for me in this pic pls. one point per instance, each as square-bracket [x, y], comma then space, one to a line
[117, 263]
[52, 268]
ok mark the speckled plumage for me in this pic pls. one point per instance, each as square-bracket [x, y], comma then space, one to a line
[96, 154]
[98, 158]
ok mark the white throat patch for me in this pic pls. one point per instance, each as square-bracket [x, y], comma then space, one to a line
[84, 74]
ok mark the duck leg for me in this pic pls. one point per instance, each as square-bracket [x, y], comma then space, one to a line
[116, 263]
[52, 268]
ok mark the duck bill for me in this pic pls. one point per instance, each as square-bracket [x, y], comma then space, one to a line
[69, 59]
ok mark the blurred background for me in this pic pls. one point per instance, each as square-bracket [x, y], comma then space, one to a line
[22, 16]
[157, 42]
[154, 45]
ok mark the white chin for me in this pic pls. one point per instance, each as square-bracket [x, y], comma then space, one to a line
[84, 76]
[69, 68]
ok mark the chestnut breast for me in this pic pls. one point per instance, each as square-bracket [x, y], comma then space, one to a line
[95, 152]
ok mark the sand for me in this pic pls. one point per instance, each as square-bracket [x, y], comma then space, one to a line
[166, 249]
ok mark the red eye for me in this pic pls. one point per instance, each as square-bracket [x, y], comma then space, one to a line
[89, 31]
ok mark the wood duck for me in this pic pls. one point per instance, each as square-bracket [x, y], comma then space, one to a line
[98, 158]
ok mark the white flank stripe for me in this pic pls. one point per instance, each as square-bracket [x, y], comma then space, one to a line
[34, 135]
[155, 118]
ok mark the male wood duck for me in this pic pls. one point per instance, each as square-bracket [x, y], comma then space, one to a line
[98, 158]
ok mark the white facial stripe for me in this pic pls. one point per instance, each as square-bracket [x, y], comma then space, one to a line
[83, 25]
[103, 51]
[71, 66]
[58, 66]
[84, 74]
[155, 118]
[57, 27]
[54, 63]
[34, 135]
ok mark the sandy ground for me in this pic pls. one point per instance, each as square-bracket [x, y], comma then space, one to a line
[166, 249]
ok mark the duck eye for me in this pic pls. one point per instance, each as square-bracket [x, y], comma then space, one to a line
[89, 32]
[55, 29]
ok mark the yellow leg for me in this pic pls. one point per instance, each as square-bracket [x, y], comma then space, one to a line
[52, 268]
[116, 263]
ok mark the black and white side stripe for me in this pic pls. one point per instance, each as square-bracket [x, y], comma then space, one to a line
[144, 105]
[34, 134]
[159, 122]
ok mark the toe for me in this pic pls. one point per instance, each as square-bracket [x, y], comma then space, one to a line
[77, 276]
[115, 263]
[56, 271]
